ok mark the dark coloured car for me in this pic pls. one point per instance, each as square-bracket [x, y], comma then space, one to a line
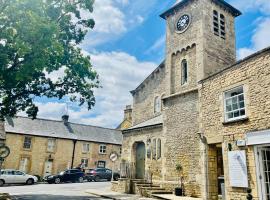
[72, 175]
[99, 174]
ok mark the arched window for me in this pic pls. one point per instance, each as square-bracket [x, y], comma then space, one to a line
[184, 72]
[216, 22]
[157, 105]
[219, 24]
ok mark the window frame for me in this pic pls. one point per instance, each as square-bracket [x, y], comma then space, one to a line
[184, 72]
[103, 150]
[83, 163]
[225, 98]
[157, 104]
[24, 143]
[83, 149]
[54, 145]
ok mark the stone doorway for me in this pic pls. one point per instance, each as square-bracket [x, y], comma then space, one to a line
[140, 159]
[215, 172]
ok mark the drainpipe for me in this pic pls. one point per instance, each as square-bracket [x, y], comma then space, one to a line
[73, 153]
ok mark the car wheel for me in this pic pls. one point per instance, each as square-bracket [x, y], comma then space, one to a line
[80, 180]
[97, 179]
[116, 178]
[2, 182]
[30, 182]
[109, 179]
[57, 181]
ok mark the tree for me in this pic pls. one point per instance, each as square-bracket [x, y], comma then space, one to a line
[38, 37]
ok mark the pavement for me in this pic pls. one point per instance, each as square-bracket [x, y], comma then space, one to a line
[68, 191]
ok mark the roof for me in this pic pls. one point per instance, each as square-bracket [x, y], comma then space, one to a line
[159, 67]
[58, 129]
[238, 63]
[151, 122]
[235, 12]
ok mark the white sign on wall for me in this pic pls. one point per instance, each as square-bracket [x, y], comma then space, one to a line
[238, 169]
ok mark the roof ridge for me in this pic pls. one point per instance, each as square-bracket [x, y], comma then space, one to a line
[55, 120]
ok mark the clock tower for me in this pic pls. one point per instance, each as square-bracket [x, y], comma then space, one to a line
[200, 40]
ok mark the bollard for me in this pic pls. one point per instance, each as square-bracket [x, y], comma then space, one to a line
[249, 195]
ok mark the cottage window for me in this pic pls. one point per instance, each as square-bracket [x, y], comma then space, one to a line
[235, 104]
[84, 162]
[101, 164]
[51, 145]
[102, 149]
[24, 164]
[157, 106]
[27, 142]
[184, 72]
[86, 148]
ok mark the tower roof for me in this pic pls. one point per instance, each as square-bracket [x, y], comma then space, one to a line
[235, 12]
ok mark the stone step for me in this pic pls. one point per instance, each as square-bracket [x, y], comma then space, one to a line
[152, 188]
[146, 184]
[161, 192]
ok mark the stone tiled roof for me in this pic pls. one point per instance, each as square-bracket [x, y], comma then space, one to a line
[182, 3]
[58, 129]
[151, 122]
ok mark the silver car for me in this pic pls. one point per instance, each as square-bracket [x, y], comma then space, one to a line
[11, 176]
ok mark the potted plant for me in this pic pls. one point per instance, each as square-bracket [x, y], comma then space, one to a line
[179, 190]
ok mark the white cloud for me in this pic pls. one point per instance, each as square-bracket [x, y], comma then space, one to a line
[252, 5]
[119, 73]
[157, 46]
[260, 39]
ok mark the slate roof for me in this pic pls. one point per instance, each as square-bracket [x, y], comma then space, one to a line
[151, 122]
[57, 129]
[182, 3]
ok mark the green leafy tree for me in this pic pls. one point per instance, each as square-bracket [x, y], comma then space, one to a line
[38, 37]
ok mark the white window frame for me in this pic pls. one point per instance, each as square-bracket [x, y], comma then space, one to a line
[50, 147]
[84, 161]
[102, 149]
[227, 119]
[86, 148]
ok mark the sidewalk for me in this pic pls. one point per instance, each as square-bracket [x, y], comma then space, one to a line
[107, 193]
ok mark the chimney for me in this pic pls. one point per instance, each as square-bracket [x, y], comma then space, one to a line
[65, 119]
[128, 113]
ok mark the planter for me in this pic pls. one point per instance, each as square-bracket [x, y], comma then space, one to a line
[178, 192]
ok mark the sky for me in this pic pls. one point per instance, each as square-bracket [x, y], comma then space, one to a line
[128, 43]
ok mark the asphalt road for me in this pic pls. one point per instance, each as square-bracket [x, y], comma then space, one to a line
[68, 191]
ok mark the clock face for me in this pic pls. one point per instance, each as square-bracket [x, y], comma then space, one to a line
[183, 23]
[4, 152]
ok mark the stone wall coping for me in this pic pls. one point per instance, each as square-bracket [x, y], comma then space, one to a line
[236, 64]
[181, 93]
[142, 128]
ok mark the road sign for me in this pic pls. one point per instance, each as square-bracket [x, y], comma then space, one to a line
[113, 157]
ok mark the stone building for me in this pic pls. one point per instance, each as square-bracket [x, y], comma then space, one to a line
[176, 116]
[127, 122]
[235, 116]
[42, 147]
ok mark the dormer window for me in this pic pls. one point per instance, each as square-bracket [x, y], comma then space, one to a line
[157, 105]
[184, 72]
[219, 24]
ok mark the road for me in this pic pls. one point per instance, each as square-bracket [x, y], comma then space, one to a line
[69, 191]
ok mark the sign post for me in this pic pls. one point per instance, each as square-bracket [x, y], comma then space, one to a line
[4, 152]
[113, 158]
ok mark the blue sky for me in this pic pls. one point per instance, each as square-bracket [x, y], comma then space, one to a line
[128, 43]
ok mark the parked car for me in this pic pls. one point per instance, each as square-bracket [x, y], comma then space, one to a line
[100, 174]
[11, 176]
[71, 175]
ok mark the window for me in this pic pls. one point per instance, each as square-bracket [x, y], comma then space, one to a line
[184, 72]
[157, 106]
[102, 149]
[156, 149]
[219, 24]
[51, 145]
[101, 164]
[84, 162]
[86, 148]
[235, 104]
[27, 142]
